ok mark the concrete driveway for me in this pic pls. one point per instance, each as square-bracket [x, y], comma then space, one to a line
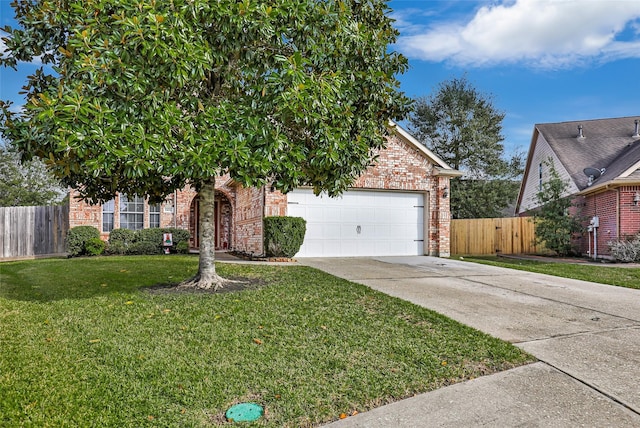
[586, 336]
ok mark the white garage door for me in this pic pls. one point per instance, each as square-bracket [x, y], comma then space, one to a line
[360, 223]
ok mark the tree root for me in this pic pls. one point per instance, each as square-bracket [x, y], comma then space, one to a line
[209, 283]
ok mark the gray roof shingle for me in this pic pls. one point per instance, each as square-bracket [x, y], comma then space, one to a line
[607, 143]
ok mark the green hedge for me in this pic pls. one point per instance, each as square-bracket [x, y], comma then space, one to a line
[95, 246]
[283, 236]
[77, 237]
[145, 241]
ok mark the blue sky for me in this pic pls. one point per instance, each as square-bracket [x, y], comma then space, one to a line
[540, 60]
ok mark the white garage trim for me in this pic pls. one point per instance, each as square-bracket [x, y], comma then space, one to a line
[361, 223]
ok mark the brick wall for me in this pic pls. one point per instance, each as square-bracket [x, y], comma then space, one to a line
[83, 214]
[248, 219]
[399, 167]
[618, 217]
[440, 213]
[629, 211]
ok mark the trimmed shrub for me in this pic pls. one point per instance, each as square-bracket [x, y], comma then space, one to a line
[124, 236]
[146, 241]
[120, 240]
[626, 250]
[283, 236]
[182, 247]
[94, 246]
[144, 247]
[152, 240]
[116, 248]
[77, 238]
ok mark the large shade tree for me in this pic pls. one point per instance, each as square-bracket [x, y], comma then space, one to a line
[462, 126]
[150, 95]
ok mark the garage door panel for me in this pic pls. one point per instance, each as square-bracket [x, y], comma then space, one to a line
[348, 214]
[360, 223]
[332, 231]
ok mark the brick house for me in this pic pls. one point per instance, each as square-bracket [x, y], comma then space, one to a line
[399, 206]
[600, 160]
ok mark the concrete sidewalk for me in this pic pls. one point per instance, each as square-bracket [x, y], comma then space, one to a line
[586, 336]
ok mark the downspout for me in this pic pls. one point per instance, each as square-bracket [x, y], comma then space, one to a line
[618, 209]
[175, 209]
[264, 209]
[595, 243]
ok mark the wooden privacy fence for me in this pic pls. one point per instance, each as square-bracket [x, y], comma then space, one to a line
[510, 235]
[33, 231]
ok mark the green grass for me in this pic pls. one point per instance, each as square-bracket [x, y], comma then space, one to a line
[620, 276]
[83, 342]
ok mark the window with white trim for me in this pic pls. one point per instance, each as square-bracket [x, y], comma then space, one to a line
[107, 215]
[154, 215]
[131, 212]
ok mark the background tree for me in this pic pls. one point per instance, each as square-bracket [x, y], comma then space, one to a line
[28, 184]
[462, 127]
[151, 95]
[555, 225]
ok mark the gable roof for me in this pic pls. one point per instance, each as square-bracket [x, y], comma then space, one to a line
[606, 143]
[440, 166]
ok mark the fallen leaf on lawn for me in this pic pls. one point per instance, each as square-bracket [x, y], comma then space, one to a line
[103, 285]
[343, 415]
[129, 302]
[355, 412]
[183, 411]
[94, 341]
[166, 311]
[444, 363]
[123, 270]
[150, 417]
[258, 341]
[217, 317]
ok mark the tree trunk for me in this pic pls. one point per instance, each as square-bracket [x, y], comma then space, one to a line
[207, 278]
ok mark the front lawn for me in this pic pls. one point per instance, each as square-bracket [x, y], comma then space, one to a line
[620, 276]
[90, 342]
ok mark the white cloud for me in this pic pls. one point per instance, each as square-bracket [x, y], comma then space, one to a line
[539, 33]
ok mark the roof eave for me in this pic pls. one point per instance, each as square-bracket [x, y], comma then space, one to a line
[610, 184]
[422, 148]
[447, 172]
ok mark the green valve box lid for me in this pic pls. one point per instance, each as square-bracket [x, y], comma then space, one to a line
[244, 412]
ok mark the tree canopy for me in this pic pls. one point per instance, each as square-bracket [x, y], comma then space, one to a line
[463, 127]
[150, 95]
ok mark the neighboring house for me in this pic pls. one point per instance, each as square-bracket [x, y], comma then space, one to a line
[600, 161]
[399, 206]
